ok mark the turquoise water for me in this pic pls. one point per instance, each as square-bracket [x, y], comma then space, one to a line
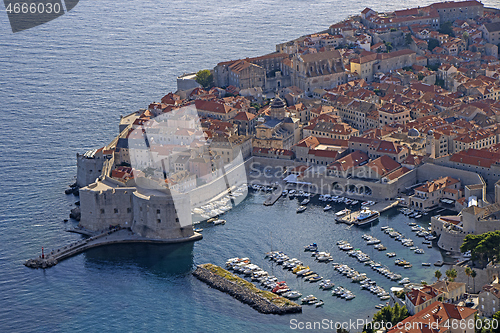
[63, 86]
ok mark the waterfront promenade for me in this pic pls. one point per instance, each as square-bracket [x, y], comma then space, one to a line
[115, 236]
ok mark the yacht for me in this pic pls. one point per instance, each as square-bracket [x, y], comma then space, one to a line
[367, 216]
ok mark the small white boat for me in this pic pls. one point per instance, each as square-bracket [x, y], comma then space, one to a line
[426, 264]
[301, 209]
[342, 212]
[327, 208]
[305, 202]
[219, 221]
[404, 281]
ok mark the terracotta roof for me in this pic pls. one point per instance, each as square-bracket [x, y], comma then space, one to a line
[437, 312]
[437, 184]
[347, 162]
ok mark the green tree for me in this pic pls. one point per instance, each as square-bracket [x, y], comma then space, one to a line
[432, 43]
[447, 28]
[205, 78]
[451, 274]
[420, 76]
[474, 274]
[438, 274]
[408, 39]
[388, 46]
[484, 248]
[496, 316]
[342, 330]
[393, 315]
[468, 272]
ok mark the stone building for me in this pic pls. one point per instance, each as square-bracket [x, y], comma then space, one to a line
[489, 299]
[321, 70]
[429, 194]
[368, 65]
[276, 130]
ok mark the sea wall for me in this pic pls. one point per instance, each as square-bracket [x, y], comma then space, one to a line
[243, 294]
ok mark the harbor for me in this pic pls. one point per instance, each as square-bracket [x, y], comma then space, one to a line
[282, 229]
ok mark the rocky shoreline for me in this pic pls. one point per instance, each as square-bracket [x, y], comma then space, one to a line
[244, 294]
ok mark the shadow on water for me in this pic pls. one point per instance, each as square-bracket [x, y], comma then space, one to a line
[162, 260]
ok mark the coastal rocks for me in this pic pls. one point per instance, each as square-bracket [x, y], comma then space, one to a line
[75, 213]
[40, 263]
[243, 294]
[73, 189]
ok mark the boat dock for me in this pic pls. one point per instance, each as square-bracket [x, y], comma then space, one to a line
[380, 207]
[115, 236]
[275, 195]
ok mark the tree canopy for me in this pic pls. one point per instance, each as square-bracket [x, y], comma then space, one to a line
[205, 78]
[408, 39]
[484, 247]
[432, 43]
[447, 28]
[393, 315]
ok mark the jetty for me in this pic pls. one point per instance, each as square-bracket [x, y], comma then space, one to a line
[380, 207]
[114, 236]
[263, 301]
[275, 195]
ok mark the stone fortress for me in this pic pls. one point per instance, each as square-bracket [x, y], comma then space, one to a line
[145, 198]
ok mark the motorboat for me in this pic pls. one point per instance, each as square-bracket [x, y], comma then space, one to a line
[327, 208]
[292, 294]
[319, 303]
[301, 209]
[311, 247]
[427, 264]
[326, 285]
[308, 299]
[342, 212]
[419, 251]
[219, 221]
[315, 278]
[404, 281]
[305, 202]
[439, 263]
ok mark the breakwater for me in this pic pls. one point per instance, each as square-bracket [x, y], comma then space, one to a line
[114, 236]
[244, 291]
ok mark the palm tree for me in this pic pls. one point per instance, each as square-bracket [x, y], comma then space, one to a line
[474, 274]
[438, 274]
[468, 272]
[453, 274]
